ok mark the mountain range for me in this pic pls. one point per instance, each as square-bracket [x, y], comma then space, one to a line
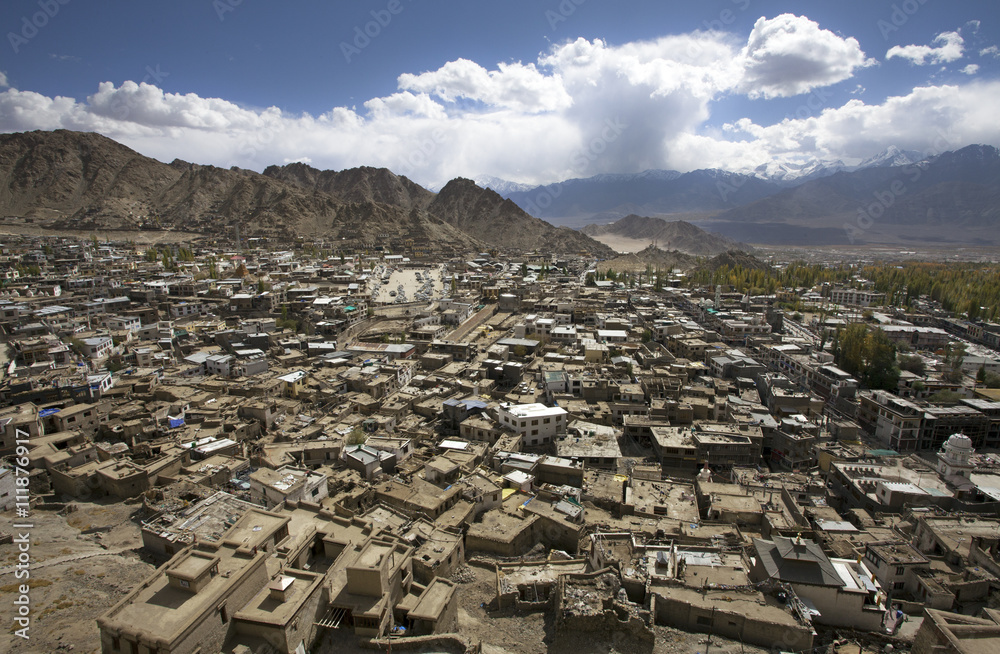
[664, 234]
[894, 197]
[64, 180]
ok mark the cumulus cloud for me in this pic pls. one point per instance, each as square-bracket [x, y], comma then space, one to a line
[514, 86]
[788, 55]
[971, 69]
[583, 108]
[950, 49]
[929, 119]
[992, 51]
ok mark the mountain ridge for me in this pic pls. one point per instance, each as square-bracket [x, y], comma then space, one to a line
[666, 234]
[84, 181]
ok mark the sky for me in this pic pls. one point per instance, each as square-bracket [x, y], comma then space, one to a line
[532, 91]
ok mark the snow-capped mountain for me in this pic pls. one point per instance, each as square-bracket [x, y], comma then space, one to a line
[891, 156]
[502, 186]
[789, 172]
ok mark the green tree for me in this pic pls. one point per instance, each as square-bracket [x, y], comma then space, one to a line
[880, 365]
[954, 356]
[356, 437]
[945, 397]
[912, 363]
[868, 355]
[981, 374]
[850, 348]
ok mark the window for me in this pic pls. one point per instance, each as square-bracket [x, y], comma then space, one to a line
[704, 621]
[534, 423]
[900, 570]
[184, 583]
[116, 643]
[134, 647]
[223, 614]
[547, 421]
[534, 432]
[899, 585]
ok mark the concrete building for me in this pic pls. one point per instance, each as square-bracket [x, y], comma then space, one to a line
[537, 424]
[836, 592]
[271, 488]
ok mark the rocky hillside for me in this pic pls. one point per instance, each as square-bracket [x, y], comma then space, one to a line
[734, 258]
[84, 181]
[652, 258]
[483, 212]
[359, 185]
[666, 234]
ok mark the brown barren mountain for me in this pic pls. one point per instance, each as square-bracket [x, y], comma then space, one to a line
[64, 180]
[667, 234]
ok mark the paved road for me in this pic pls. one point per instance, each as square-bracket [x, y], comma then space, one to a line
[463, 330]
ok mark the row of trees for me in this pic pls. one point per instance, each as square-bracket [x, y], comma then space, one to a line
[868, 355]
[871, 357]
[969, 288]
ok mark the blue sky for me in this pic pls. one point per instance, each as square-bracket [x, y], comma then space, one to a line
[532, 91]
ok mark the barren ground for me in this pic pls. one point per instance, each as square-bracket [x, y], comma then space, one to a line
[68, 597]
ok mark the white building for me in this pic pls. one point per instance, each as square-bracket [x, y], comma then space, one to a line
[954, 459]
[219, 364]
[97, 348]
[273, 487]
[536, 423]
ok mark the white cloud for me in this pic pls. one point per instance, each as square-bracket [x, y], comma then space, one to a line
[3, 80]
[929, 119]
[514, 86]
[788, 55]
[950, 49]
[993, 51]
[584, 107]
[971, 69]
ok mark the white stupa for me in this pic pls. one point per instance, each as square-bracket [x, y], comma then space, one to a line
[954, 458]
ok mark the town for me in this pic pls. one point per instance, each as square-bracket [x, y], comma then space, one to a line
[260, 445]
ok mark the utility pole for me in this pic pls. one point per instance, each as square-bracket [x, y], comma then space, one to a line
[708, 643]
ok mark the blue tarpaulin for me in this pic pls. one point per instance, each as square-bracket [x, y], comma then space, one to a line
[175, 422]
[47, 412]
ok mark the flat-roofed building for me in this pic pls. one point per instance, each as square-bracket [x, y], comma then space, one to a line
[536, 423]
